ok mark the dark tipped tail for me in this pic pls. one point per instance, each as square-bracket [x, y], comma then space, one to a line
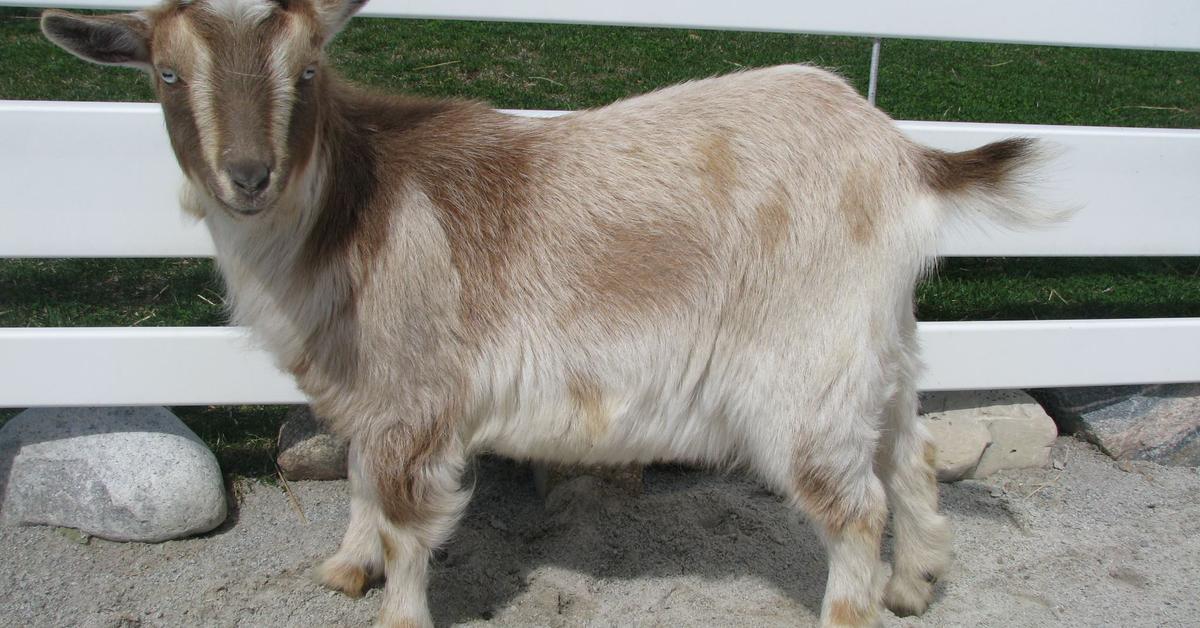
[997, 180]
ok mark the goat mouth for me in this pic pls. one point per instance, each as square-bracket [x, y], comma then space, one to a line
[240, 209]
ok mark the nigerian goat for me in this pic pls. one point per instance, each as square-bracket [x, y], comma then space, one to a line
[719, 272]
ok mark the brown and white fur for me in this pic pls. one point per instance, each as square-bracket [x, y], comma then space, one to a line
[719, 272]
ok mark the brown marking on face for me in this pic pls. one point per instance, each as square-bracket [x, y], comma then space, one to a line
[718, 170]
[860, 203]
[400, 458]
[643, 267]
[183, 132]
[171, 41]
[303, 124]
[349, 579]
[988, 167]
[588, 398]
[847, 613]
[773, 219]
[239, 110]
[243, 82]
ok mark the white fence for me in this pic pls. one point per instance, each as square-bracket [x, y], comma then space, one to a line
[99, 180]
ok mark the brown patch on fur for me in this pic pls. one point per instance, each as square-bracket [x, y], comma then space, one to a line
[477, 167]
[718, 170]
[987, 167]
[639, 268]
[354, 216]
[586, 396]
[389, 552]
[860, 203]
[400, 458]
[868, 529]
[821, 497]
[847, 613]
[348, 579]
[773, 219]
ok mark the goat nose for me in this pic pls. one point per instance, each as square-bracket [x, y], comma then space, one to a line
[250, 177]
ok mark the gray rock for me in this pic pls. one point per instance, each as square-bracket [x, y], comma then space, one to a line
[1156, 423]
[308, 450]
[124, 474]
[1020, 434]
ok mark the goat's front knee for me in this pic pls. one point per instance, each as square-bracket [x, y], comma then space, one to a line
[416, 477]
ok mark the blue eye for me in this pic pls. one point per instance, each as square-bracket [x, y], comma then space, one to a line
[168, 76]
[308, 72]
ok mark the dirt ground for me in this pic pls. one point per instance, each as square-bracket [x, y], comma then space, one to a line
[1096, 543]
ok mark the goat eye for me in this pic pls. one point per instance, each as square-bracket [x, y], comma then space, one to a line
[168, 76]
[308, 72]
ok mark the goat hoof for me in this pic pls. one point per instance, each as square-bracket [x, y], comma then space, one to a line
[908, 596]
[340, 576]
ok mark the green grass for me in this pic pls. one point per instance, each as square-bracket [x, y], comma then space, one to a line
[1061, 288]
[241, 437]
[569, 67]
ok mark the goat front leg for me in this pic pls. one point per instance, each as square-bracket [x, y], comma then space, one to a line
[405, 500]
[415, 472]
[359, 559]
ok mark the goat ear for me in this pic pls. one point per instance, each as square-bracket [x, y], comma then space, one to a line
[335, 14]
[120, 39]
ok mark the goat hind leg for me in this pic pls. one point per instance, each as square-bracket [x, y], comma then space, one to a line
[846, 504]
[922, 536]
[852, 530]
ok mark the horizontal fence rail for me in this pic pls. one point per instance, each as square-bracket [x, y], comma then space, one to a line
[99, 180]
[1148, 24]
[218, 365]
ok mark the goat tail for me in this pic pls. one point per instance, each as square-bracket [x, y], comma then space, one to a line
[999, 180]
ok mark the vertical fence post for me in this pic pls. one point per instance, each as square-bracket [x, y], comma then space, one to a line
[874, 80]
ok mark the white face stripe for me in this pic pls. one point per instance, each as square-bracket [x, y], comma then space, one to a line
[200, 94]
[248, 12]
[283, 90]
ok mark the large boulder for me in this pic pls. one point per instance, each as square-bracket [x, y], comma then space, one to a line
[1157, 423]
[124, 474]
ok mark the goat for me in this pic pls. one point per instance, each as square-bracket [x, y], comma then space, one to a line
[719, 272]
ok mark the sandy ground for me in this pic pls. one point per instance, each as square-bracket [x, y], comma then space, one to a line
[1094, 544]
